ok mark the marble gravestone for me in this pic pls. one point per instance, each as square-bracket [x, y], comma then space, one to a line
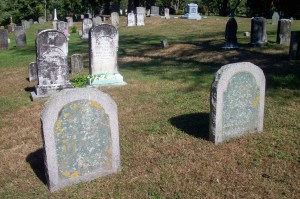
[140, 19]
[52, 52]
[275, 18]
[284, 31]
[258, 31]
[192, 12]
[115, 19]
[131, 19]
[154, 11]
[32, 71]
[3, 39]
[295, 45]
[230, 34]
[103, 48]
[167, 13]
[76, 63]
[141, 10]
[20, 36]
[81, 137]
[86, 26]
[236, 101]
[97, 21]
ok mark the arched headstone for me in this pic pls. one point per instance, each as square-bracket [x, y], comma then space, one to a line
[230, 34]
[258, 31]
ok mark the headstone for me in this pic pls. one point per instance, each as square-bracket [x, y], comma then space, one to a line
[80, 33]
[192, 12]
[35, 22]
[167, 13]
[284, 31]
[55, 15]
[148, 13]
[247, 34]
[140, 21]
[81, 137]
[32, 71]
[3, 39]
[86, 26]
[20, 36]
[258, 31]
[164, 43]
[121, 12]
[97, 21]
[141, 10]
[236, 101]
[103, 50]
[275, 18]
[154, 11]
[30, 21]
[25, 24]
[8, 40]
[70, 21]
[41, 20]
[52, 52]
[63, 27]
[76, 63]
[54, 25]
[11, 27]
[131, 19]
[230, 34]
[81, 16]
[115, 19]
[295, 45]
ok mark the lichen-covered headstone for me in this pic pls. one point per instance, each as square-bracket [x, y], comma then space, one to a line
[3, 39]
[154, 11]
[236, 101]
[275, 18]
[20, 36]
[284, 31]
[81, 137]
[131, 19]
[76, 63]
[52, 52]
[103, 48]
[258, 31]
[295, 45]
[115, 19]
[86, 26]
[97, 21]
[32, 71]
[41, 20]
[230, 34]
[140, 19]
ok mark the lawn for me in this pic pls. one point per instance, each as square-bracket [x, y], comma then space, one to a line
[163, 117]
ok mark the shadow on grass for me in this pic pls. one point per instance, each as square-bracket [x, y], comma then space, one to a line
[36, 161]
[195, 124]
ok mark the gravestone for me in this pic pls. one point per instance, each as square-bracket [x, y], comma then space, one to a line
[97, 21]
[164, 43]
[115, 19]
[70, 21]
[131, 19]
[52, 52]
[30, 21]
[258, 31]
[86, 26]
[61, 26]
[32, 71]
[3, 39]
[20, 36]
[141, 10]
[54, 25]
[81, 137]
[25, 24]
[284, 31]
[167, 13]
[192, 12]
[76, 63]
[236, 101]
[41, 20]
[103, 48]
[275, 18]
[154, 11]
[11, 27]
[81, 16]
[140, 19]
[80, 33]
[230, 34]
[295, 45]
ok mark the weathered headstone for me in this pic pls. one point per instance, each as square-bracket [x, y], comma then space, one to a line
[86, 26]
[103, 49]
[52, 52]
[295, 45]
[30, 21]
[275, 18]
[41, 20]
[236, 101]
[11, 27]
[284, 31]
[167, 13]
[20, 36]
[25, 24]
[97, 21]
[164, 43]
[230, 34]
[141, 10]
[131, 19]
[63, 27]
[81, 137]
[192, 12]
[32, 71]
[3, 39]
[115, 19]
[258, 31]
[70, 21]
[154, 11]
[76, 63]
[54, 25]
[140, 19]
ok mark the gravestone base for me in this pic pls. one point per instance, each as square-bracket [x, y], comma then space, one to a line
[230, 47]
[42, 92]
[105, 79]
[192, 16]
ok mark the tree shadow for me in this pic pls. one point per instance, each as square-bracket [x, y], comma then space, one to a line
[195, 124]
[36, 161]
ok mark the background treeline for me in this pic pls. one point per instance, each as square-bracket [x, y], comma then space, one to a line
[26, 9]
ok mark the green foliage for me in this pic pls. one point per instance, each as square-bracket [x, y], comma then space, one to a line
[73, 29]
[79, 82]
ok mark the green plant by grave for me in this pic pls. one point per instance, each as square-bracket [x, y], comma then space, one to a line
[73, 29]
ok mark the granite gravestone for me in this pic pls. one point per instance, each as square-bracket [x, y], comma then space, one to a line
[236, 101]
[81, 137]
[275, 18]
[103, 48]
[284, 31]
[192, 12]
[115, 19]
[154, 11]
[230, 34]
[258, 31]
[3, 39]
[86, 26]
[295, 45]
[167, 13]
[76, 63]
[97, 21]
[32, 71]
[20, 36]
[52, 52]
[131, 19]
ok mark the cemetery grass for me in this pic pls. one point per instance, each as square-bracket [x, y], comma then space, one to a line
[164, 118]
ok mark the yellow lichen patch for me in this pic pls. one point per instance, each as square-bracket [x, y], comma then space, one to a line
[71, 120]
[64, 141]
[64, 148]
[108, 151]
[74, 106]
[256, 101]
[95, 104]
[66, 174]
[66, 115]
[58, 123]
[75, 174]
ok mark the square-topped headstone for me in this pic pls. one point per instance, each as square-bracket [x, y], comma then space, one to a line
[86, 26]
[141, 10]
[192, 12]
[258, 31]
[41, 20]
[20, 36]
[3, 39]
[115, 19]
[70, 21]
[97, 21]
[295, 45]
[236, 101]
[81, 137]
[140, 19]
[275, 18]
[154, 11]
[32, 71]
[76, 63]
[284, 31]
[131, 19]
[167, 13]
